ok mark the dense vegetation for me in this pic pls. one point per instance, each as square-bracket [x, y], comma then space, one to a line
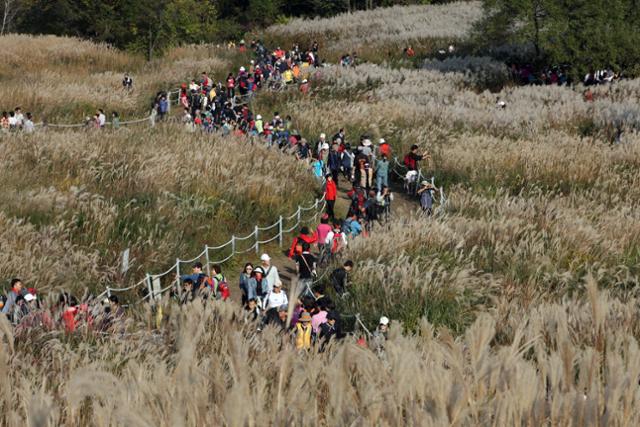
[516, 306]
[150, 26]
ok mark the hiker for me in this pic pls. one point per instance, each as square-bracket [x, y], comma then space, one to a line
[340, 277]
[412, 158]
[305, 87]
[12, 296]
[115, 120]
[218, 283]
[252, 311]
[318, 169]
[330, 195]
[163, 107]
[197, 276]
[257, 285]
[305, 236]
[102, 119]
[336, 239]
[127, 82]
[306, 268]
[320, 299]
[270, 271]
[304, 332]
[303, 151]
[29, 126]
[276, 297]
[334, 162]
[426, 193]
[323, 229]
[351, 225]
[245, 276]
[328, 329]
[187, 293]
[382, 172]
[380, 335]
[231, 85]
[318, 317]
[384, 149]
[363, 176]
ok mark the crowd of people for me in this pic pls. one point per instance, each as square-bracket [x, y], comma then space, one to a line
[306, 312]
[17, 121]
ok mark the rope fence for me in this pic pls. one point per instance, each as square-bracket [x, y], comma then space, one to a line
[208, 256]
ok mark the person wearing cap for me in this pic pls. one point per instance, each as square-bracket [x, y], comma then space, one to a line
[304, 332]
[367, 148]
[384, 148]
[426, 193]
[259, 125]
[256, 287]
[304, 87]
[271, 273]
[380, 335]
[276, 297]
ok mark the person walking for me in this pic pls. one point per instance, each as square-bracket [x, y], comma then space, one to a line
[304, 332]
[271, 273]
[382, 172]
[330, 195]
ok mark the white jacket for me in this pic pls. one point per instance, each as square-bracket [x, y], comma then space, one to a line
[275, 300]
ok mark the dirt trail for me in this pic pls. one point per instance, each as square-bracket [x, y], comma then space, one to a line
[402, 206]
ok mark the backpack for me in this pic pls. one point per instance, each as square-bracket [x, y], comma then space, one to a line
[409, 162]
[219, 285]
[336, 243]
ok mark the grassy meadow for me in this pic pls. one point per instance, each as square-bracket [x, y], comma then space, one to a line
[516, 305]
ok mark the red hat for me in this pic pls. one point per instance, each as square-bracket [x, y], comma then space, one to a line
[32, 291]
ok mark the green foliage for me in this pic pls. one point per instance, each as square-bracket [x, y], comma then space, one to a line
[583, 34]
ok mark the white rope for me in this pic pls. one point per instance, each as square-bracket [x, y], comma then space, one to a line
[187, 261]
[157, 276]
[263, 242]
[226, 259]
[215, 248]
[129, 287]
[253, 233]
[269, 227]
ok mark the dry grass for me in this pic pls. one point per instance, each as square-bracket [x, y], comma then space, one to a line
[372, 34]
[501, 320]
[563, 363]
[65, 79]
[82, 197]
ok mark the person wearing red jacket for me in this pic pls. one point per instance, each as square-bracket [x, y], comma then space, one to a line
[305, 236]
[330, 194]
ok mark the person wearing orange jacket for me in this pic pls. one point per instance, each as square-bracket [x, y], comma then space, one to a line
[330, 194]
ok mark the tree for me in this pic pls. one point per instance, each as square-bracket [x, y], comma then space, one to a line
[10, 9]
[585, 34]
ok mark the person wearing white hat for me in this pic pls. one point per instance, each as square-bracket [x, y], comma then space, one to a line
[320, 143]
[426, 193]
[259, 125]
[270, 272]
[276, 298]
[380, 335]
